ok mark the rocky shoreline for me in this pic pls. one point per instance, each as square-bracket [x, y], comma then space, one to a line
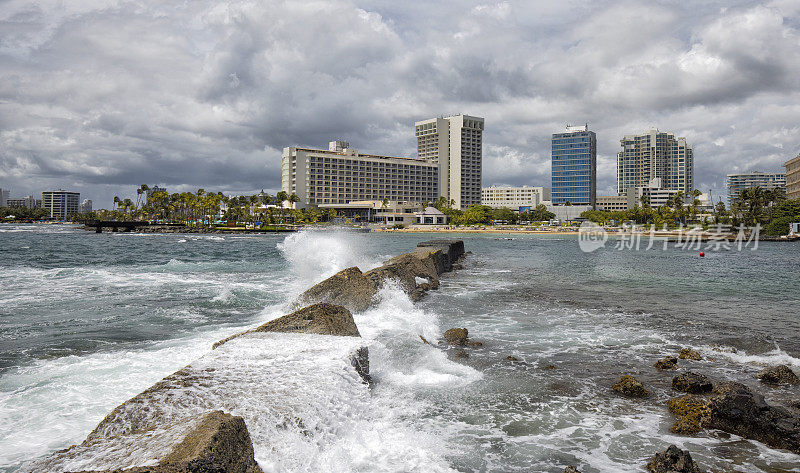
[181, 424]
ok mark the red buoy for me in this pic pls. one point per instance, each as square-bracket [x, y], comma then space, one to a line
[702, 254]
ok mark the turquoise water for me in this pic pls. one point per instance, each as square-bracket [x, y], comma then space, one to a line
[87, 320]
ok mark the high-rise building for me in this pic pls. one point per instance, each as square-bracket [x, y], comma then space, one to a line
[739, 182]
[574, 166]
[340, 175]
[654, 154]
[514, 197]
[86, 206]
[61, 203]
[455, 144]
[4, 194]
[793, 178]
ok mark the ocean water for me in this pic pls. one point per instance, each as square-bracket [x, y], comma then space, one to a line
[88, 321]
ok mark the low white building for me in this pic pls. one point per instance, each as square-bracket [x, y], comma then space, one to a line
[566, 213]
[514, 197]
[431, 216]
[376, 211]
[656, 195]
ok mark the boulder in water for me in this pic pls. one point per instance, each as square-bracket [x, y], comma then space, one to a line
[736, 409]
[348, 288]
[781, 374]
[219, 443]
[693, 383]
[571, 469]
[321, 318]
[689, 354]
[667, 363]
[453, 250]
[457, 336]
[673, 460]
[692, 412]
[630, 386]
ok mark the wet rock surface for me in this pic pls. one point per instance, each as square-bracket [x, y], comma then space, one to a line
[666, 363]
[781, 374]
[692, 412]
[348, 288]
[571, 469]
[630, 387]
[457, 336]
[321, 318]
[689, 354]
[219, 443]
[672, 460]
[693, 383]
[736, 409]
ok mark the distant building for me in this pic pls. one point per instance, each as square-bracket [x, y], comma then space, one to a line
[652, 155]
[455, 143]
[60, 203]
[28, 202]
[340, 175]
[514, 197]
[656, 195]
[612, 203]
[793, 178]
[377, 211]
[574, 166]
[4, 197]
[85, 207]
[739, 182]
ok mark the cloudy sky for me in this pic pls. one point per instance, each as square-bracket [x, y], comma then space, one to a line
[100, 96]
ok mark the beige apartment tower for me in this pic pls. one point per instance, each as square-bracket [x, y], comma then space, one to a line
[455, 144]
[655, 154]
[793, 178]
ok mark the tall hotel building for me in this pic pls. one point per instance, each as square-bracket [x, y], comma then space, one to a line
[340, 175]
[455, 144]
[739, 182]
[574, 166]
[61, 203]
[655, 154]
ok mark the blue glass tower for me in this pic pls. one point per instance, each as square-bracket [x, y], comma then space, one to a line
[574, 155]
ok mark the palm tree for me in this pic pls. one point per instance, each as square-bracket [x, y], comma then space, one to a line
[294, 200]
[117, 201]
[384, 206]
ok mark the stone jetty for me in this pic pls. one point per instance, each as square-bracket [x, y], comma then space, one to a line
[207, 416]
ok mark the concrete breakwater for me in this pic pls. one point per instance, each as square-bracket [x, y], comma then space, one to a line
[294, 376]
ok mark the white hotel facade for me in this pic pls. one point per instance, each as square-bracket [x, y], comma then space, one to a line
[448, 164]
[340, 175]
[514, 197]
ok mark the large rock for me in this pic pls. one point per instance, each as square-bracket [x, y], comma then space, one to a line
[452, 249]
[415, 272]
[348, 288]
[456, 336]
[630, 386]
[666, 363]
[781, 374]
[321, 318]
[736, 409]
[692, 383]
[672, 460]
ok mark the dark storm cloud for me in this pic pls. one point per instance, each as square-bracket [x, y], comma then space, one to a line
[101, 97]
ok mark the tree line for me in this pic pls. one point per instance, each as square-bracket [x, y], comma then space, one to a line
[204, 208]
[766, 207]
